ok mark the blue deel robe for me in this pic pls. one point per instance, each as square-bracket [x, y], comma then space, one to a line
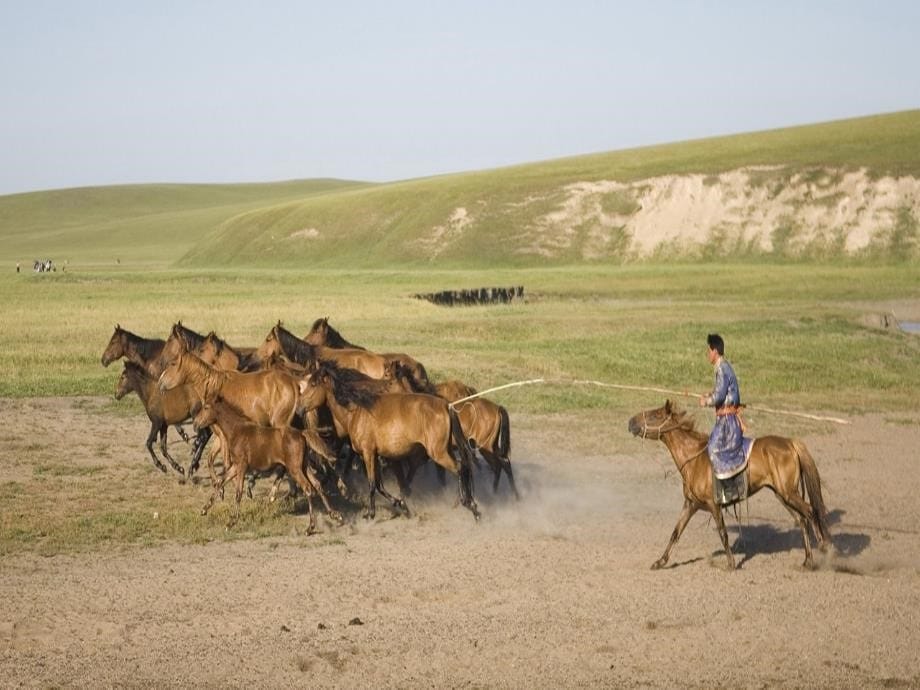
[726, 446]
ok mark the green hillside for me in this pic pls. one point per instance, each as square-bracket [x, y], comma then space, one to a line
[417, 222]
[475, 219]
[137, 224]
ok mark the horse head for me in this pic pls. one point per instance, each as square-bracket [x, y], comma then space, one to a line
[115, 348]
[653, 423]
[271, 345]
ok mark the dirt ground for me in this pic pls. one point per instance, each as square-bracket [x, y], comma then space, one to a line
[551, 591]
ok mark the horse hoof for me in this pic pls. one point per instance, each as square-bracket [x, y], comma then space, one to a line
[658, 565]
[337, 516]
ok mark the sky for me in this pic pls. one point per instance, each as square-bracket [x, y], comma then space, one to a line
[115, 92]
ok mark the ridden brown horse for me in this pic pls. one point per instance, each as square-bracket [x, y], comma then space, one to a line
[485, 424]
[250, 447]
[781, 464]
[321, 333]
[163, 409]
[393, 426]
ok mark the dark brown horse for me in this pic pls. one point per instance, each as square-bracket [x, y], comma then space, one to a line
[146, 353]
[323, 334]
[250, 447]
[163, 409]
[393, 426]
[781, 464]
[134, 348]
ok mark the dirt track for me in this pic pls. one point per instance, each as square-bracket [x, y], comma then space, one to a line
[553, 591]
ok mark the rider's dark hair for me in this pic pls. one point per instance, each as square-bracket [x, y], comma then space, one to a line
[715, 342]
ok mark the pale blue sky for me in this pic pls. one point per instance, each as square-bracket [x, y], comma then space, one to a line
[194, 91]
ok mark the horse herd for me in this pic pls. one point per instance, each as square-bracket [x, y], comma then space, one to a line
[307, 408]
[303, 407]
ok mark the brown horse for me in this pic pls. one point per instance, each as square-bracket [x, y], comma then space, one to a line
[281, 341]
[268, 398]
[321, 333]
[485, 424]
[781, 464]
[163, 409]
[394, 426]
[219, 353]
[250, 447]
[141, 351]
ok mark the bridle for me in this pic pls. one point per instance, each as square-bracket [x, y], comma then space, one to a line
[663, 429]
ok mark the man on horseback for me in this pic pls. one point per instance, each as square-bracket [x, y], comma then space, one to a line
[726, 445]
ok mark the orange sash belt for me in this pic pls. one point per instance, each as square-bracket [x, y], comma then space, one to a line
[728, 410]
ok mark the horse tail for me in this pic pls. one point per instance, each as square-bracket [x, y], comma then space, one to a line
[504, 433]
[813, 486]
[467, 459]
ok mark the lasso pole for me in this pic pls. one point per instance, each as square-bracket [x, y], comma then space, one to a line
[652, 389]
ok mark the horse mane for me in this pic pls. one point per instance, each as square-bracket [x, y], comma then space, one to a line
[147, 348]
[686, 422]
[219, 343]
[293, 347]
[404, 374]
[349, 386]
[335, 340]
[192, 339]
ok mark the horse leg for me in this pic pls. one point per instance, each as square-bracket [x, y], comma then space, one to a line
[201, 440]
[402, 479]
[396, 502]
[151, 437]
[801, 513]
[240, 478]
[317, 484]
[685, 514]
[273, 494]
[175, 465]
[298, 476]
[181, 432]
[372, 468]
[723, 534]
[218, 489]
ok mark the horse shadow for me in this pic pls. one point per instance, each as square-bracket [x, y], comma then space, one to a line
[767, 538]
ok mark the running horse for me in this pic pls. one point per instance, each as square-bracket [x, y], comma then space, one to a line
[321, 333]
[393, 426]
[781, 464]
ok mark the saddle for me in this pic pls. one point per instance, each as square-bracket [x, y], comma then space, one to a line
[731, 490]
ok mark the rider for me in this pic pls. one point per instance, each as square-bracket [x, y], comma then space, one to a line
[725, 442]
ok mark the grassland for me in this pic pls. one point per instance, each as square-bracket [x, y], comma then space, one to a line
[796, 332]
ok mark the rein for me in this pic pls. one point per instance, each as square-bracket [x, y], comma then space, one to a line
[663, 429]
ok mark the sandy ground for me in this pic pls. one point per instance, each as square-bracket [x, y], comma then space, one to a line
[552, 591]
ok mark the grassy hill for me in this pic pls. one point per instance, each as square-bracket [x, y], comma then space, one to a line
[513, 216]
[489, 218]
[138, 224]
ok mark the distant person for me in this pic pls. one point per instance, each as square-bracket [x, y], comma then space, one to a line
[725, 448]
[17, 267]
